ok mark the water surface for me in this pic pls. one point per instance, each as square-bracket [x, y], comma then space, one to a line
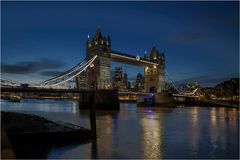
[143, 132]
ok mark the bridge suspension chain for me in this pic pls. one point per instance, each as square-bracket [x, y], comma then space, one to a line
[172, 82]
[69, 75]
[75, 68]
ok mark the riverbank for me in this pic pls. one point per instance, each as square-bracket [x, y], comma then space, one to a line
[32, 136]
[207, 103]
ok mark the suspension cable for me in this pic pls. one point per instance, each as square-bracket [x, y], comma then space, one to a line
[69, 75]
[171, 81]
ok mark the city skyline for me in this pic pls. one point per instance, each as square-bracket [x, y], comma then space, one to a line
[43, 39]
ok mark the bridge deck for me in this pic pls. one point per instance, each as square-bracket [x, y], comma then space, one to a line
[31, 89]
[129, 59]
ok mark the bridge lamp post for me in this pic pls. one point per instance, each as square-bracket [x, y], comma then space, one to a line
[92, 111]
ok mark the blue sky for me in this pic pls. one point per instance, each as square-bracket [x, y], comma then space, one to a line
[42, 39]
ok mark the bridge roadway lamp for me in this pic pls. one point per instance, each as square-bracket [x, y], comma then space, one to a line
[138, 57]
[91, 65]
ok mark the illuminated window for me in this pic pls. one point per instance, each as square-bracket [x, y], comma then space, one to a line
[102, 42]
[96, 42]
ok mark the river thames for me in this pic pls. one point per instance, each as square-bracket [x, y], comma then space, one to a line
[143, 132]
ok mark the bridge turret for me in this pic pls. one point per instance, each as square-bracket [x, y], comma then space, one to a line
[99, 74]
[109, 41]
[99, 45]
[88, 44]
[154, 54]
[155, 75]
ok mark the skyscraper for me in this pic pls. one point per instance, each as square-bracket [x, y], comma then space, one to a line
[118, 79]
[139, 86]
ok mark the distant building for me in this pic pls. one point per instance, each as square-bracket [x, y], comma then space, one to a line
[208, 92]
[227, 88]
[139, 85]
[125, 79]
[117, 79]
[128, 86]
[81, 81]
[118, 74]
[192, 85]
[126, 83]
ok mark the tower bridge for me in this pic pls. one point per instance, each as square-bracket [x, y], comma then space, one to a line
[94, 71]
[98, 74]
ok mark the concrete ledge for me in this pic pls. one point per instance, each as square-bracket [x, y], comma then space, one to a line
[6, 147]
[32, 136]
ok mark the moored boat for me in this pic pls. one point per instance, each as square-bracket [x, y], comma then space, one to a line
[15, 98]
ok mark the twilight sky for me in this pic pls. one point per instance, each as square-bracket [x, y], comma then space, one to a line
[42, 39]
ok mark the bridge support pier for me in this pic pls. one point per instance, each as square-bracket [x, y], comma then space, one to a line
[104, 100]
[160, 99]
[164, 98]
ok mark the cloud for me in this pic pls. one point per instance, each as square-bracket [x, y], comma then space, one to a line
[27, 67]
[186, 37]
[227, 20]
[51, 73]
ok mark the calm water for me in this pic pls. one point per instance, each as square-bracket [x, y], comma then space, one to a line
[135, 132]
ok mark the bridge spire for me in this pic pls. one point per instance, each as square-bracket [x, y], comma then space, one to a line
[98, 34]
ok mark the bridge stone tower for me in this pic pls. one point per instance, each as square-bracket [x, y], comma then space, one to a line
[98, 74]
[154, 76]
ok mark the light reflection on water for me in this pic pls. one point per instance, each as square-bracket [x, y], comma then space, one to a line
[137, 132]
[152, 135]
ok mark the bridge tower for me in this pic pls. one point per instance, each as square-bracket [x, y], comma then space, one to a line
[98, 74]
[154, 76]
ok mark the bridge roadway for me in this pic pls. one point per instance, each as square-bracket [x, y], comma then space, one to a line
[129, 59]
[49, 90]
[53, 90]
